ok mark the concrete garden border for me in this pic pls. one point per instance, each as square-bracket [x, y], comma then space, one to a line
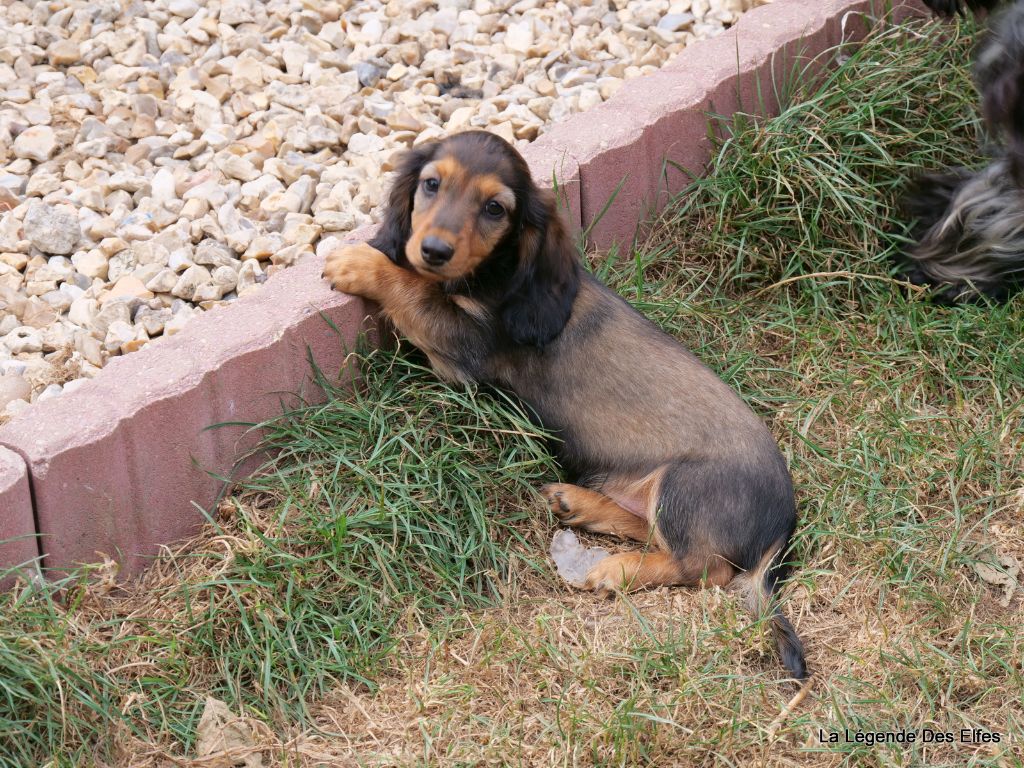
[119, 466]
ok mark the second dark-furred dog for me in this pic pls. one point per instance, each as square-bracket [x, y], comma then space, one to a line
[949, 7]
[474, 265]
[969, 225]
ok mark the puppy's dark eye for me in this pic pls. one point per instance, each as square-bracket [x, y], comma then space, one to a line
[430, 186]
[494, 209]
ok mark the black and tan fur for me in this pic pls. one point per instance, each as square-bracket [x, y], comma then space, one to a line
[661, 449]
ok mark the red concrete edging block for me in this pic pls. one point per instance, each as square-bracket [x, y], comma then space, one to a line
[119, 465]
[557, 168]
[17, 524]
[656, 123]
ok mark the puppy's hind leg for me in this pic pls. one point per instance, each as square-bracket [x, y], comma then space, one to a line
[630, 571]
[593, 511]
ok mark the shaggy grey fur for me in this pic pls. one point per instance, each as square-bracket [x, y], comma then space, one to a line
[970, 224]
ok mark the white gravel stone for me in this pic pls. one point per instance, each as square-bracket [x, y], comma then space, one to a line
[184, 8]
[190, 280]
[163, 281]
[92, 263]
[15, 407]
[51, 391]
[111, 312]
[153, 320]
[674, 22]
[13, 386]
[82, 311]
[162, 186]
[52, 229]
[178, 321]
[249, 277]
[23, 339]
[8, 323]
[37, 143]
[118, 334]
[71, 386]
[519, 36]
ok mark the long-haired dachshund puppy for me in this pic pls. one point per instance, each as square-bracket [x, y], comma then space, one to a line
[969, 231]
[474, 265]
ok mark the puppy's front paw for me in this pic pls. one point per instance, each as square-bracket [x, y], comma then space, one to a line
[354, 269]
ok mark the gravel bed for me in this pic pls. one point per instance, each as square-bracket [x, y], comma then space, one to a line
[158, 159]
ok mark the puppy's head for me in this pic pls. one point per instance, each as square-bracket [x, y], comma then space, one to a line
[465, 210]
[466, 200]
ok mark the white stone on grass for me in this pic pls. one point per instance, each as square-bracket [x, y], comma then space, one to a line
[573, 560]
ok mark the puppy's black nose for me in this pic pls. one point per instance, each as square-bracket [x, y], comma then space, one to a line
[436, 251]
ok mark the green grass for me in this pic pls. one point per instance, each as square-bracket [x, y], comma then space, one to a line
[374, 597]
[815, 188]
[377, 510]
[51, 694]
[901, 421]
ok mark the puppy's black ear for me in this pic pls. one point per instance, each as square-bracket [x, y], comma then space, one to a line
[397, 225]
[546, 280]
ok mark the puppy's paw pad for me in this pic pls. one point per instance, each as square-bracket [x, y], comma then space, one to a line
[559, 499]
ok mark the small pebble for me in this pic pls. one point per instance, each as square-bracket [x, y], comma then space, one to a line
[572, 560]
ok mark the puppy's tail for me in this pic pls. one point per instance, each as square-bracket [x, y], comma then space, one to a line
[757, 587]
